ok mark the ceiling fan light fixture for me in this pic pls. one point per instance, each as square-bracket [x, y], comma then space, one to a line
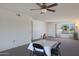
[43, 10]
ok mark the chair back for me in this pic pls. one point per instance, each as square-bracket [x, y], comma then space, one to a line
[58, 45]
[35, 45]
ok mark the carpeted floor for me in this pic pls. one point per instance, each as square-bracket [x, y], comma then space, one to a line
[69, 47]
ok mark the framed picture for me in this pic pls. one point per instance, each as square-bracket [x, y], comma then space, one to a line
[68, 28]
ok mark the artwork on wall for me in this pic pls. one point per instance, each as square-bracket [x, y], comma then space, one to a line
[68, 28]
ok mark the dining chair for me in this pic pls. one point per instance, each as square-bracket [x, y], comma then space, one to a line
[56, 50]
[38, 50]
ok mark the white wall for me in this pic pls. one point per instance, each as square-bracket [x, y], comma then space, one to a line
[14, 30]
[39, 28]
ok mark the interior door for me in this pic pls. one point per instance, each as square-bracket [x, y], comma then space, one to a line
[51, 29]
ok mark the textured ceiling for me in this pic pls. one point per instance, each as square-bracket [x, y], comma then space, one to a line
[63, 10]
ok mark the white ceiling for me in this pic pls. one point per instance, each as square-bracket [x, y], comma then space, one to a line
[63, 10]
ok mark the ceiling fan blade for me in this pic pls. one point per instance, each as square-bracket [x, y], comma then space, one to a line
[35, 9]
[39, 4]
[51, 10]
[55, 4]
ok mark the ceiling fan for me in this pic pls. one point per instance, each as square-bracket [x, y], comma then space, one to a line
[44, 8]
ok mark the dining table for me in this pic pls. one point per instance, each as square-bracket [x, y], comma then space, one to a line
[47, 44]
